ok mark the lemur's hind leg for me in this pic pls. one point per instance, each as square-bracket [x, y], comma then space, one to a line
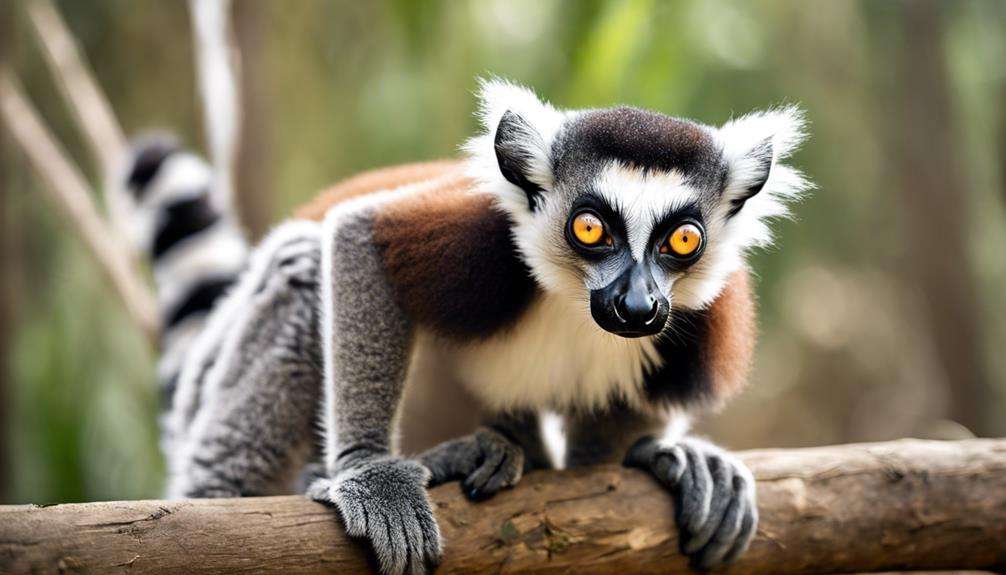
[367, 340]
[494, 457]
[247, 425]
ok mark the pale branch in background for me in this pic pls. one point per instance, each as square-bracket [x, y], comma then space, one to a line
[85, 99]
[903, 505]
[70, 193]
[218, 63]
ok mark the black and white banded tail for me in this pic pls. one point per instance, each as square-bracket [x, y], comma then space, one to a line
[192, 237]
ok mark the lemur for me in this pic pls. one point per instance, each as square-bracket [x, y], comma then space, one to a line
[588, 263]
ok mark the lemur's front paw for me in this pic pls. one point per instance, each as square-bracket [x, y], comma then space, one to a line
[714, 495]
[385, 502]
[500, 464]
[485, 461]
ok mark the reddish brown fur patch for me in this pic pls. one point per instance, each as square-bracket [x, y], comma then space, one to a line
[375, 181]
[451, 258]
[449, 252]
[730, 336]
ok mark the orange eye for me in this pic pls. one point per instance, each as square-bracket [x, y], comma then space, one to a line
[589, 230]
[684, 241]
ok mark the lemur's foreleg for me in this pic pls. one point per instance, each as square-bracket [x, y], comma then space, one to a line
[246, 424]
[367, 341]
[495, 456]
[713, 491]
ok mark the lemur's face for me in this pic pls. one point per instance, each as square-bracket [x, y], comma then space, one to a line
[633, 213]
[628, 247]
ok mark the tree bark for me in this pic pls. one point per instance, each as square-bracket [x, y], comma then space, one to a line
[903, 505]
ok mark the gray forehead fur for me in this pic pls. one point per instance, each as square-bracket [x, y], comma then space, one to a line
[638, 138]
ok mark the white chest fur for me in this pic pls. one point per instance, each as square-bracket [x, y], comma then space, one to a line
[555, 357]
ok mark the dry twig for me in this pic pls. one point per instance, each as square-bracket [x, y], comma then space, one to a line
[218, 64]
[85, 99]
[70, 193]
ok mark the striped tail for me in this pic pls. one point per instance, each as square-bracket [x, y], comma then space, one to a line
[194, 242]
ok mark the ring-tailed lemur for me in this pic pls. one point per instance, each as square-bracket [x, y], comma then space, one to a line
[589, 263]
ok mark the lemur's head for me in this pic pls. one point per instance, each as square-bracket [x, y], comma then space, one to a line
[629, 211]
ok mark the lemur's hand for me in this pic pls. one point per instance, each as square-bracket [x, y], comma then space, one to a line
[385, 502]
[714, 496]
[485, 461]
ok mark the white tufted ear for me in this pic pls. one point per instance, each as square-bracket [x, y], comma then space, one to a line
[512, 155]
[758, 184]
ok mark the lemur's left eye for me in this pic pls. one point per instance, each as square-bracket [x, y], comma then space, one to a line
[589, 230]
[683, 242]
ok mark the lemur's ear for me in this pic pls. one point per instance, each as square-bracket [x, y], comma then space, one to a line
[513, 154]
[518, 149]
[748, 174]
[753, 145]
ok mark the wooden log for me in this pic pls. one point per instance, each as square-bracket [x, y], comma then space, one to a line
[903, 505]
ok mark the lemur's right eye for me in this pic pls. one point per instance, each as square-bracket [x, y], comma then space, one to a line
[589, 230]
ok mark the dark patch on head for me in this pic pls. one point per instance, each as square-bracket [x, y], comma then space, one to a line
[642, 139]
[513, 136]
[149, 155]
[200, 299]
[181, 220]
[762, 155]
[452, 262]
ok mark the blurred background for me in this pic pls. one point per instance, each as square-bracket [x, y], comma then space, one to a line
[882, 308]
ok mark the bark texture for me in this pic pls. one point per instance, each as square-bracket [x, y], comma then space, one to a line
[904, 505]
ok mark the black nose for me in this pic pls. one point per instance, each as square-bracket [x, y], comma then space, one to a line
[632, 305]
[636, 308]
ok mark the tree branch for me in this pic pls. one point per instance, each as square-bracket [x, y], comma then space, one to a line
[218, 63]
[70, 193]
[85, 99]
[904, 505]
